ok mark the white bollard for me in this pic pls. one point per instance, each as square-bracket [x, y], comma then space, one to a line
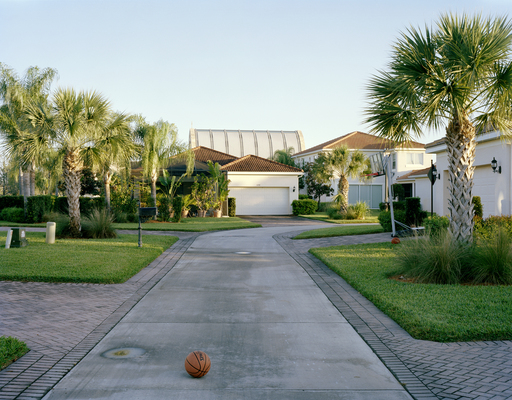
[9, 239]
[50, 232]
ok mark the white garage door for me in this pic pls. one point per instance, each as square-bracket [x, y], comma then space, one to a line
[485, 187]
[261, 201]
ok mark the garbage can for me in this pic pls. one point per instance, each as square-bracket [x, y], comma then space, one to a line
[19, 239]
[50, 232]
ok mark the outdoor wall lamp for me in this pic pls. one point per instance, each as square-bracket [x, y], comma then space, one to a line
[494, 166]
[294, 186]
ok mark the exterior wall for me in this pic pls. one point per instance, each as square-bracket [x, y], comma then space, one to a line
[494, 189]
[268, 180]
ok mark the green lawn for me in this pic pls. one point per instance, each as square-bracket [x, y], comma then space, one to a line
[444, 313]
[10, 350]
[322, 216]
[194, 225]
[340, 231]
[83, 260]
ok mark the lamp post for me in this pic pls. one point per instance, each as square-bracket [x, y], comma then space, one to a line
[432, 176]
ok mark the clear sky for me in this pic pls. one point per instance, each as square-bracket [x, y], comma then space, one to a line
[227, 64]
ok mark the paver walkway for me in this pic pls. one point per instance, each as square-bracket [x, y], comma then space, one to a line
[63, 335]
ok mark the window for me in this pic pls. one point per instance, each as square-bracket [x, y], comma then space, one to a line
[394, 161]
[414, 158]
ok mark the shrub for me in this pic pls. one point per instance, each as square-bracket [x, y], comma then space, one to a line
[492, 259]
[87, 204]
[414, 215]
[11, 201]
[37, 206]
[304, 207]
[333, 211]
[119, 216]
[385, 219]
[62, 224]
[164, 208]
[98, 225]
[132, 217]
[384, 206]
[231, 206]
[478, 208]
[177, 206]
[436, 225]
[12, 214]
[360, 209]
[399, 205]
[323, 206]
[439, 259]
[304, 197]
[486, 228]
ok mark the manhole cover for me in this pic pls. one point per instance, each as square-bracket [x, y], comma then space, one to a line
[124, 352]
[243, 252]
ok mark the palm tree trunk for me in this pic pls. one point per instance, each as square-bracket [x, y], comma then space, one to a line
[72, 172]
[460, 145]
[343, 189]
[32, 179]
[154, 177]
[107, 179]
[26, 186]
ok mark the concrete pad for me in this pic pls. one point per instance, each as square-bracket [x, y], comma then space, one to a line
[270, 332]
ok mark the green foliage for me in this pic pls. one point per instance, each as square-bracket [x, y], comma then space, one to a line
[98, 225]
[10, 350]
[203, 192]
[164, 208]
[360, 209]
[11, 201]
[333, 211]
[232, 206]
[340, 231]
[219, 178]
[121, 200]
[37, 206]
[177, 206]
[304, 197]
[383, 206]
[436, 225]
[87, 204]
[414, 215]
[89, 184]
[316, 181]
[385, 219]
[492, 259]
[304, 207]
[398, 190]
[478, 208]
[439, 259]
[487, 228]
[12, 214]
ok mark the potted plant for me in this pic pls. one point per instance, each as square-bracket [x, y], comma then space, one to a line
[217, 211]
[188, 201]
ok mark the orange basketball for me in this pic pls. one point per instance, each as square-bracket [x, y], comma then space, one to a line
[197, 364]
[395, 240]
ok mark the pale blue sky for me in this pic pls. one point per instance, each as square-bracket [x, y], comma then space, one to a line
[261, 64]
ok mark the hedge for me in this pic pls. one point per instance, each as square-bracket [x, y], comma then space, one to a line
[12, 214]
[37, 206]
[232, 206]
[304, 207]
[11, 201]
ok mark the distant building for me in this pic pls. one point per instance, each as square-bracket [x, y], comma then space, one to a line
[241, 143]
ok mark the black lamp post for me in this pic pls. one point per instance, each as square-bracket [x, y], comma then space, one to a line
[432, 175]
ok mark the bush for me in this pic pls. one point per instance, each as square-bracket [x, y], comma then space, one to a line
[492, 259]
[304, 197]
[12, 214]
[414, 215]
[486, 228]
[11, 201]
[37, 206]
[304, 207]
[440, 259]
[399, 205]
[119, 216]
[98, 225]
[132, 217]
[231, 206]
[384, 206]
[436, 225]
[478, 208]
[164, 208]
[177, 206]
[385, 219]
[360, 209]
[323, 206]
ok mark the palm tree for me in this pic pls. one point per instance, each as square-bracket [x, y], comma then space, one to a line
[457, 75]
[73, 125]
[284, 156]
[113, 150]
[158, 142]
[16, 95]
[343, 163]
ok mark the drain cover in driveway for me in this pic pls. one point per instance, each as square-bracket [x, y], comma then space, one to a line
[124, 352]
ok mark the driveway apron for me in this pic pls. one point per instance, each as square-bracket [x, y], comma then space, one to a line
[270, 332]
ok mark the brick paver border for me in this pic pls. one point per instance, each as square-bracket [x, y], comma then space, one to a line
[428, 370]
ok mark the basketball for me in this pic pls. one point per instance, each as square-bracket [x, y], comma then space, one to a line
[197, 364]
[395, 240]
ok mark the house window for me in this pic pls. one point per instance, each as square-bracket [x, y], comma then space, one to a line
[414, 158]
[394, 161]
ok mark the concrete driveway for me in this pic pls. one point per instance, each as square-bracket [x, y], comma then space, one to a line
[270, 332]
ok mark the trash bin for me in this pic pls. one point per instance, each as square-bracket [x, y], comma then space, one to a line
[50, 232]
[19, 239]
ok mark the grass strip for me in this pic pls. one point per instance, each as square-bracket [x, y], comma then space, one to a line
[80, 260]
[371, 218]
[193, 225]
[10, 350]
[442, 313]
[340, 231]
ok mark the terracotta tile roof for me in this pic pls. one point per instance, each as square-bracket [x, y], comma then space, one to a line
[414, 173]
[359, 140]
[251, 163]
[205, 154]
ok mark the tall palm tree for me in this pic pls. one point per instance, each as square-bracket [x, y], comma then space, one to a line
[16, 95]
[284, 156]
[73, 125]
[458, 75]
[342, 163]
[158, 142]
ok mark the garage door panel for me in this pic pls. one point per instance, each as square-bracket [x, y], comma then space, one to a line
[261, 200]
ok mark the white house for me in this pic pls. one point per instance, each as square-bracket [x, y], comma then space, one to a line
[493, 186]
[373, 191]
